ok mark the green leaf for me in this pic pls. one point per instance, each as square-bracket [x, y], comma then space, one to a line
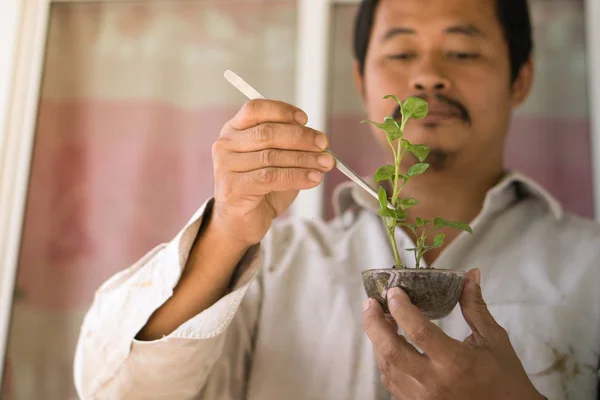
[391, 96]
[392, 129]
[440, 222]
[377, 124]
[408, 202]
[390, 126]
[382, 195]
[412, 227]
[386, 212]
[397, 215]
[400, 215]
[420, 151]
[438, 240]
[414, 107]
[417, 169]
[384, 173]
[422, 222]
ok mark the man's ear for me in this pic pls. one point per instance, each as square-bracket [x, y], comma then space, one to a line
[522, 85]
[359, 80]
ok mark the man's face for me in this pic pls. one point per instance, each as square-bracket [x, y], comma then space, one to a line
[454, 55]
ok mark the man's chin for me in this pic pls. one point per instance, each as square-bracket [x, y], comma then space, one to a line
[428, 137]
[436, 135]
[439, 158]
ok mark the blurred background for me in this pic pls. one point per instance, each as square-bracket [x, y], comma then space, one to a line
[131, 102]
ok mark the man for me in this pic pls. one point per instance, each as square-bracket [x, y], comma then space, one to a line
[239, 306]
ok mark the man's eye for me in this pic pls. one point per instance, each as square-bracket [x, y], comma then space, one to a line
[464, 56]
[401, 56]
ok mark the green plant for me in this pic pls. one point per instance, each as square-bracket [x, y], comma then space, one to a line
[396, 215]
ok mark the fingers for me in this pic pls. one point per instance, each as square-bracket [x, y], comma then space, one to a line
[392, 322]
[245, 162]
[268, 124]
[270, 135]
[271, 179]
[387, 344]
[266, 146]
[474, 309]
[255, 112]
[399, 363]
[276, 154]
[418, 328]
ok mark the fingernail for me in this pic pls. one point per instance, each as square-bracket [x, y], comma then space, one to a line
[394, 295]
[477, 276]
[314, 176]
[321, 141]
[326, 160]
[301, 117]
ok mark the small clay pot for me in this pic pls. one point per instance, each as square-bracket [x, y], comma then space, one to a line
[434, 291]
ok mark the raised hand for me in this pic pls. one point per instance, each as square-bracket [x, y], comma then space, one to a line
[263, 157]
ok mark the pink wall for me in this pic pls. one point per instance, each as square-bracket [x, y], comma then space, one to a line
[133, 97]
[99, 201]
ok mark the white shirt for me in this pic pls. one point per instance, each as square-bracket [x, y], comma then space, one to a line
[291, 328]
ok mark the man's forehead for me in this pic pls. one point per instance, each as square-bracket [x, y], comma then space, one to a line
[416, 13]
[465, 29]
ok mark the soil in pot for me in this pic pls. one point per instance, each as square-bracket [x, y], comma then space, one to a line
[434, 291]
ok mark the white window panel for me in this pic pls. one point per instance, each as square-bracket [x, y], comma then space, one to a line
[592, 11]
[24, 23]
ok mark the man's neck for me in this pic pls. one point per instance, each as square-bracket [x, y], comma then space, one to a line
[457, 197]
[451, 196]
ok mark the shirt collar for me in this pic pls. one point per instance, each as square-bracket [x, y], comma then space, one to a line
[514, 186]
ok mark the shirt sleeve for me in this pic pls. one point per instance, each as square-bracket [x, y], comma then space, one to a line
[111, 364]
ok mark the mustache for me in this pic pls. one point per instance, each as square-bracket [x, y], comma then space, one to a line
[455, 105]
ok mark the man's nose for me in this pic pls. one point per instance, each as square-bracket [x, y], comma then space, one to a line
[428, 77]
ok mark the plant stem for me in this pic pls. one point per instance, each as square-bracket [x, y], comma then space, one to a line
[396, 174]
[420, 247]
[391, 230]
[398, 159]
[395, 194]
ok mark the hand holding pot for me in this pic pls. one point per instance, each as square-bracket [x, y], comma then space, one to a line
[483, 366]
[263, 157]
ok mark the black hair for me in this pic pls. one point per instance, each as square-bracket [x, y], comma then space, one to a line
[512, 14]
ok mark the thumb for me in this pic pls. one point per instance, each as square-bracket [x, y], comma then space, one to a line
[475, 310]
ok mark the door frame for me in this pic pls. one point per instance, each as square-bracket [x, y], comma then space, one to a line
[22, 46]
